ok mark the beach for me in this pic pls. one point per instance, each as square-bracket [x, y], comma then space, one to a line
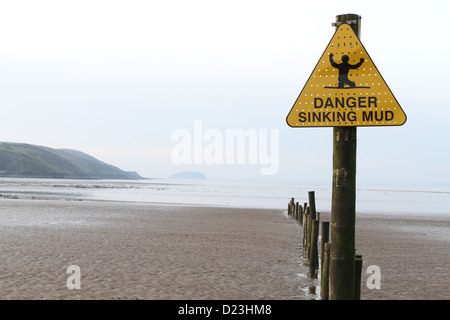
[131, 250]
[146, 251]
[411, 251]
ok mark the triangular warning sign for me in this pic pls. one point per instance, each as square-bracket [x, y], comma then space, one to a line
[345, 89]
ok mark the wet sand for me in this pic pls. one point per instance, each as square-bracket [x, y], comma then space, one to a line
[412, 252]
[150, 251]
[144, 251]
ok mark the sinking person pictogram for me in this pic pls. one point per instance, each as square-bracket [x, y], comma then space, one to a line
[344, 67]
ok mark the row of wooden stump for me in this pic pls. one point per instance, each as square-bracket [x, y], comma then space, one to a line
[309, 219]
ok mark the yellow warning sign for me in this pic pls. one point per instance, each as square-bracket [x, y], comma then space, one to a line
[345, 89]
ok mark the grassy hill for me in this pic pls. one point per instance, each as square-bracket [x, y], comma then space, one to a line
[30, 161]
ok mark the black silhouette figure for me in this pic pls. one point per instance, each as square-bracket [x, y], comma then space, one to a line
[344, 68]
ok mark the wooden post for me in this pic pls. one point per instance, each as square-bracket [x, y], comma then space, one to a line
[308, 234]
[324, 282]
[325, 239]
[358, 271]
[293, 206]
[305, 229]
[296, 211]
[313, 256]
[312, 204]
[293, 210]
[316, 236]
[342, 262]
[300, 215]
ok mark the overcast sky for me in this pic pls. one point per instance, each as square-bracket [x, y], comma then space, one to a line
[116, 79]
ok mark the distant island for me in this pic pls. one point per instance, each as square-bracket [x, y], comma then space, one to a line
[20, 160]
[188, 175]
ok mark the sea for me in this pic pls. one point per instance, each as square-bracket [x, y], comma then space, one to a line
[385, 199]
